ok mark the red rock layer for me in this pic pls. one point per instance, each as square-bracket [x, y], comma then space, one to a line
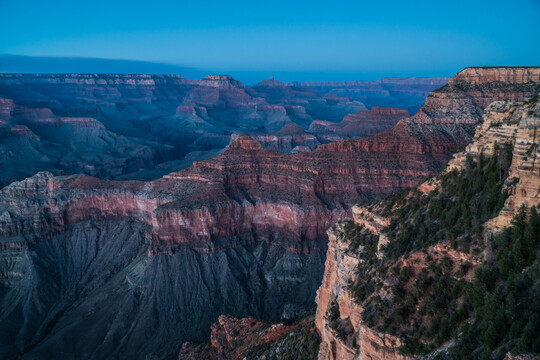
[448, 118]
[362, 123]
[249, 190]
[233, 338]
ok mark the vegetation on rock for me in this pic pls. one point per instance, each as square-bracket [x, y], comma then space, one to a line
[301, 343]
[432, 287]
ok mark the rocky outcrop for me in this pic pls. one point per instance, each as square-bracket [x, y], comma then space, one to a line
[521, 357]
[500, 75]
[234, 339]
[515, 124]
[340, 267]
[362, 123]
[270, 82]
[288, 139]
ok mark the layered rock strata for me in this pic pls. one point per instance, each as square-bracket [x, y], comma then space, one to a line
[126, 269]
[362, 123]
[505, 123]
[515, 124]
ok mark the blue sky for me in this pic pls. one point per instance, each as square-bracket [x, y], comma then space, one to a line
[339, 39]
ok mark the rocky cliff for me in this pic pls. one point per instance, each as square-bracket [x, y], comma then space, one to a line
[250, 339]
[352, 291]
[516, 124]
[362, 123]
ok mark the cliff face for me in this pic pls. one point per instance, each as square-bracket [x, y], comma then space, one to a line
[343, 307]
[516, 124]
[362, 123]
[125, 269]
[340, 270]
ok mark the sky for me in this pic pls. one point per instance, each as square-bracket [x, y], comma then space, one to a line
[320, 40]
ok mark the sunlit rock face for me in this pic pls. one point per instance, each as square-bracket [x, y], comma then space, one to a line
[93, 268]
[451, 109]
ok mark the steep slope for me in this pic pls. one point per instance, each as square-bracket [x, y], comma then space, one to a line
[125, 269]
[425, 271]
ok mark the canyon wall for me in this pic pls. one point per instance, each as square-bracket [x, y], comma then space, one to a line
[505, 123]
[139, 126]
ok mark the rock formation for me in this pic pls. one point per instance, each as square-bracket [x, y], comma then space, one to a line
[362, 123]
[515, 124]
[248, 338]
[168, 120]
[33, 139]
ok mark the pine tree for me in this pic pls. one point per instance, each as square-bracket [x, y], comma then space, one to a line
[490, 337]
[517, 255]
[534, 224]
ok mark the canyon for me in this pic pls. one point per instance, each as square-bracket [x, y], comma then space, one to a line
[132, 269]
[141, 127]
[406, 93]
